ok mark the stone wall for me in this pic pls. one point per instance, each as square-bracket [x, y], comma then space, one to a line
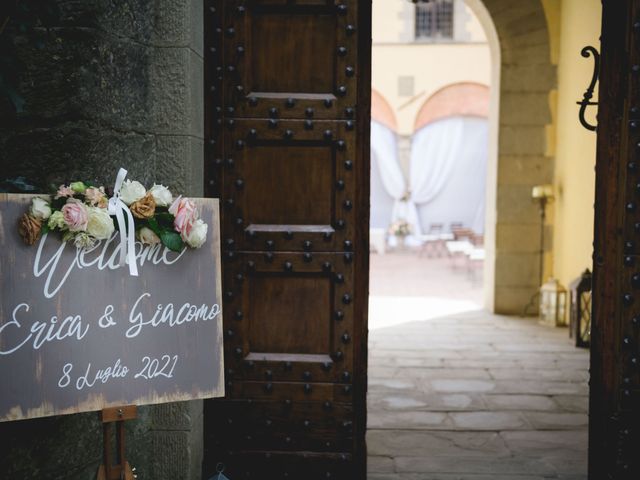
[115, 83]
[108, 83]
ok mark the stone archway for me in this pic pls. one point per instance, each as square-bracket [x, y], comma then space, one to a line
[381, 111]
[521, 148]
[467, 99]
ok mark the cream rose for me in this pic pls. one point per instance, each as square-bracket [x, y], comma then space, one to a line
[161, 195]
[148, 236]
[56, 220]
[100, 224]
[132, 192]
[40, 208]
[75, 215]
[197, 235]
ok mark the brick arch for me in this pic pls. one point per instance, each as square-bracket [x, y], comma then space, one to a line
[468, 99]
[520, 155]
[382, 112]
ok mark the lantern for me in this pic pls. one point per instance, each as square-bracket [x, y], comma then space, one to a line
[553, 299]
[580, 309]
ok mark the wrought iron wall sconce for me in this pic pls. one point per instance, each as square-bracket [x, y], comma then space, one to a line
[588, 95]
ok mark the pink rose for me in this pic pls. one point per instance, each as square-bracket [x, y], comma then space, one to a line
[75, 215]
[186, 214]
[64, 191]
[94, 195]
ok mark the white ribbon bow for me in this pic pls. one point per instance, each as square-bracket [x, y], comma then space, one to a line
[127, 235]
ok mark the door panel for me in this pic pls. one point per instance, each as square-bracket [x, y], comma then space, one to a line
[293, 319]
[614, 415]
[290, 184]
[278, 426]
[288, 156]
[291, 60]
[274, 68]
[295, 183]
[288, 316]
[311, 466]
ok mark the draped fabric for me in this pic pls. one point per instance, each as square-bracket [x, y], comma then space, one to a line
[447, 180]
[448, 172]
[388, 185]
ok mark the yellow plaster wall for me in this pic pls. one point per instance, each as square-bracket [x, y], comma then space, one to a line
[579, 25]
[552, 13]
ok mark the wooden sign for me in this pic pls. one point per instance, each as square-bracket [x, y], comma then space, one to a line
[78, 333]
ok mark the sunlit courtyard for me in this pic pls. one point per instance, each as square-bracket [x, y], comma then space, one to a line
[458, 393]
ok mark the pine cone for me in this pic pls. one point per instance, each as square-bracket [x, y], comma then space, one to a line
[144, 208]
[29, 228]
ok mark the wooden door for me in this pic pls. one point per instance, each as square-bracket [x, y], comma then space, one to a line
[287, 119]
[615, 356]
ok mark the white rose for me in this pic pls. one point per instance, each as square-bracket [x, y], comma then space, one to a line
[56, 220]
[161, 195]
[100, 224]
[40, 208]
[132, 191]
[148, 236]
[197, 235]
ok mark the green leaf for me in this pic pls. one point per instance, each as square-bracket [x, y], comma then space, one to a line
[172, 240]
[45, 228]
[153, 225]
[165, 220]
[169, 237]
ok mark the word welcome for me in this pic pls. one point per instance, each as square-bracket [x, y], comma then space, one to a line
[99, 256]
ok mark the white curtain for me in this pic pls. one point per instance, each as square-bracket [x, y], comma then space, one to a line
[448, 171]
[387, 181]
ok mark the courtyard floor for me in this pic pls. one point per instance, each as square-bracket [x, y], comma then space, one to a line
[457, 393]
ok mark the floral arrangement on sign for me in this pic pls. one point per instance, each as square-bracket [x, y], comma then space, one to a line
[83, 214]
[400, 228]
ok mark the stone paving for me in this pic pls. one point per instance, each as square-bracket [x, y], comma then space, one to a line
[472, 396]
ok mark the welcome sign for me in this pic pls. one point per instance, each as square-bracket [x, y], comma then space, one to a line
[78, 333]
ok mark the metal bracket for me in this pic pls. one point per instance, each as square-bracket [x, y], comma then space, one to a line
[588, 95]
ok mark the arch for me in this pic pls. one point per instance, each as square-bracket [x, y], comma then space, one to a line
[382, 112]
[524, 77]
[464, 99]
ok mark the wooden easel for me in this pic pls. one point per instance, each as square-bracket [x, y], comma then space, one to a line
[121, 470]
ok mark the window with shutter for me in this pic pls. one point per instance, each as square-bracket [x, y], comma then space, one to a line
[434, 19]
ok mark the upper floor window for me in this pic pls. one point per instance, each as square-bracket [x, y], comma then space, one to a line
[434, 19]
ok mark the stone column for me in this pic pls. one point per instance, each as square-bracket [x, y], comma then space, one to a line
[106, 85]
